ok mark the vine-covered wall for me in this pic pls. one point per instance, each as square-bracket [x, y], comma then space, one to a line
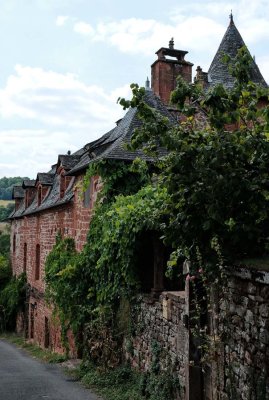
[160, 324]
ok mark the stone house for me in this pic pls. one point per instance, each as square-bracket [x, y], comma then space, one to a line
[53, 203]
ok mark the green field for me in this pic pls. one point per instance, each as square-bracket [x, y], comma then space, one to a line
[6, 202]
[4, 227]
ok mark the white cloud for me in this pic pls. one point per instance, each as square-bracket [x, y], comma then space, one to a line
[136, 35]
[83, 28]
[67, 112]
[194, 28]
[61, 20]
[56, 99]
[263, 63]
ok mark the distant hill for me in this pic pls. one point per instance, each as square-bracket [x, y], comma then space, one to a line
[6, 185]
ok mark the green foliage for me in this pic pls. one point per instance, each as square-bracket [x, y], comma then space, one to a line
[5, 211]
[12, 300]
[86, 288]
[119, 177]
[5, 271]
[216, 179]
[4, 244]
[157, 384]
[110, 250]
[61, 275]
[207, 198]
[121, 383]
[90, 284]
[6, 185]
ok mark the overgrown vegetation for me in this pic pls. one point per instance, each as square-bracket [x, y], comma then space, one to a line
[86, 288]
[12, 289]
[215, 173]
[5, 210]
[207, 199]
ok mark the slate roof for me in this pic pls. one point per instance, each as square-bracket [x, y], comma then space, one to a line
[17, 192]
[68, 161]
[218, 71]
[51, 199]
[112, 145]
[45, 178]
[28, 183]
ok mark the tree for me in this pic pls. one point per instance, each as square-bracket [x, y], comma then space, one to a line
[6, 186]
[216, 168]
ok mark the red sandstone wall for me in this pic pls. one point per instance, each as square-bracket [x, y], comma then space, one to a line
[72, 220]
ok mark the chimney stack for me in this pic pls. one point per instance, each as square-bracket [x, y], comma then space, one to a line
[165, 70]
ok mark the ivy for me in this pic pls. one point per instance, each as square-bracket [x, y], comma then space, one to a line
[110, 249]
[86, 288]
[12, 301]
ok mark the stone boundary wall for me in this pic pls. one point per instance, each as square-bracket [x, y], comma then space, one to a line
[244, 328]
[160, 322]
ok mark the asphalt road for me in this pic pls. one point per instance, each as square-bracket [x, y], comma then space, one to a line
[25, 378]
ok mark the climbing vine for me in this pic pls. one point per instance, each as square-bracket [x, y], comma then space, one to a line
[86, 288]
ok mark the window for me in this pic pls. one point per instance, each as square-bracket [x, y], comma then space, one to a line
[14, 243]
[87, 196]
[37, 263]
[46, 334]
[39, 196]
[24, 257]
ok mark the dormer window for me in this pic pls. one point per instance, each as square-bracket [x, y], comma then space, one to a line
[26, 198]
[39, 195]
[64, 182]
[62, 186]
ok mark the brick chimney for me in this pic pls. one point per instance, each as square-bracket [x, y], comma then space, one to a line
[164, 71]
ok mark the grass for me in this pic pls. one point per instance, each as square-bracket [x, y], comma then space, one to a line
[33, 350]
[121, 383]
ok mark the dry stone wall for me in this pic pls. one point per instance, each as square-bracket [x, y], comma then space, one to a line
[244, 327]
[160, 322]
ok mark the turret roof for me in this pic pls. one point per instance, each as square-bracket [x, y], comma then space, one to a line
[218, 72]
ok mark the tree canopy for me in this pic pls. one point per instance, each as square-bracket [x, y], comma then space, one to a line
[216, 168]
[6, 186]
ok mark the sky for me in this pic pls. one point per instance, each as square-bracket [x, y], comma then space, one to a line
[64, 63]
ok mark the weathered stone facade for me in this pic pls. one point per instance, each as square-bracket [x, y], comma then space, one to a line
[244, 327]
[161, 321]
